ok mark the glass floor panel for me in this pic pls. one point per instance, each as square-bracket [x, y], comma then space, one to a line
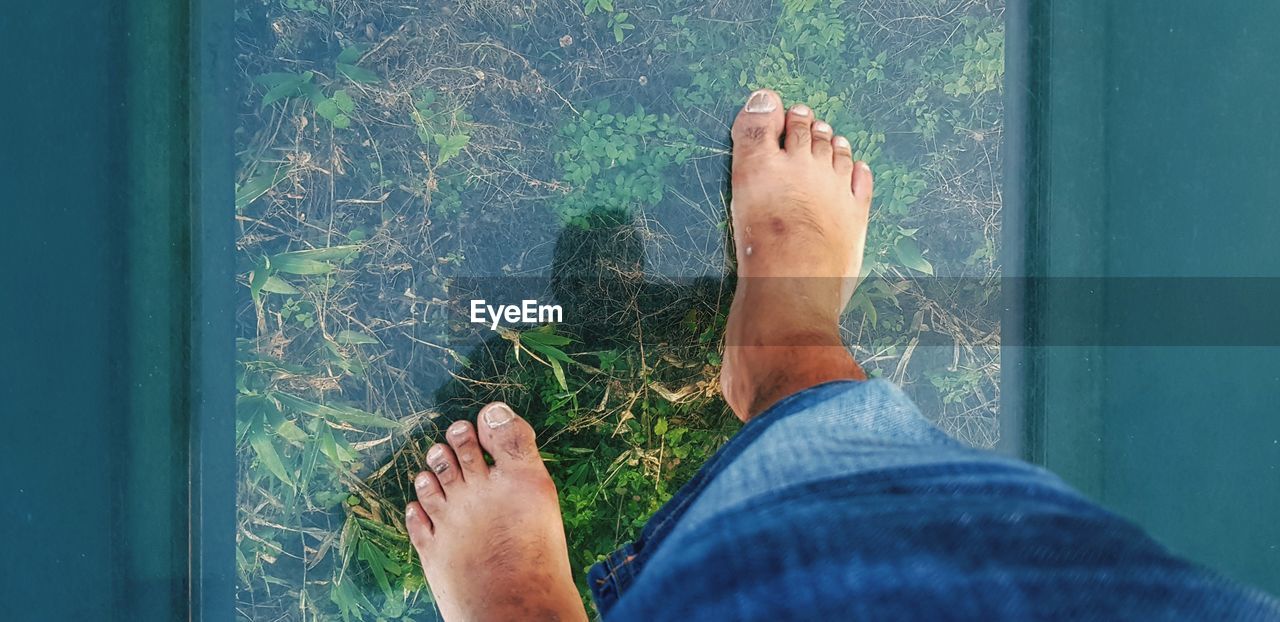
[399, 160]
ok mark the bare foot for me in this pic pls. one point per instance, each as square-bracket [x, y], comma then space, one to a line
[490, 538]
[800, 207]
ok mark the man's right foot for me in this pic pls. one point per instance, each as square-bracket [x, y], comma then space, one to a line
[799, 211]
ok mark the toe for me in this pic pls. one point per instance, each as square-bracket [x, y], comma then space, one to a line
[758, 128]
[462, 437]
[418, 525]
[842, 155]
[430, 494]
[799, 129]
[507, 437]
[444, 464]
[863, 182]
[822, 141]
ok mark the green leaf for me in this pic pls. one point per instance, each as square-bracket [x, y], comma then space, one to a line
[350, 599]
[257, 280]
[868, 308]
[276, 78]
[350, 54]
[341, 414]
[266, 451]
[301, 266]
[909, 255]
[426, 97]
[450, 145]
[327, 109]
[660, 428]
[290, 431]
[313, 93]
[329, 447]
[332, 253]
[311, 262]
[342, 99]
[543, 336]
[258, 185]
[377, 562]
[249, 409]
[358, 74]
[544, 342]
[310, 457]
[352, 338]
[551, 352]
[283, 85]
[558, 370]
[277, 285]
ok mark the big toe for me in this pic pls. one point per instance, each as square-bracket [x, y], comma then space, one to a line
[758, 128]
[507, 437]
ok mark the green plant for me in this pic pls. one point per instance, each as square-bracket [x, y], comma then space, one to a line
[979, 59]
[618, 25]
[591, 6]
[447, 131]
[303, 459]
[957, 385]
[617, 162]
[330, 103]
[617, 22]
[308, 6]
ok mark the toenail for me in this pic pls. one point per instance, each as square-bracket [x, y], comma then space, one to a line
[841, 142]
[498, 414]
[800, 110]
[440, 467]
[866, 167]
[435, 453]
[422, 481]
[821, 128]
[458, 429]
[760, 101]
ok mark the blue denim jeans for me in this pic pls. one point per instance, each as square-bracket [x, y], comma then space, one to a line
[843, 502]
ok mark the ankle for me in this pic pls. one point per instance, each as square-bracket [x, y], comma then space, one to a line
[770, 355]
[757, 377]
[768, 310]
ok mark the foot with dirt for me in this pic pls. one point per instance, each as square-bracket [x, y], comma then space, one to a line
[800, 208]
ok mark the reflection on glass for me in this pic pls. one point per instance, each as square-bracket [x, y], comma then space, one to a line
[398, 162]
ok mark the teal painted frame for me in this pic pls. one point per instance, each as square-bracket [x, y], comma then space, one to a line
[1057, 51]
[212, 322]
[179, 186]
[1148, 150]
[118, 456]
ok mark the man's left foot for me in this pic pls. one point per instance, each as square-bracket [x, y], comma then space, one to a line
[490, 538]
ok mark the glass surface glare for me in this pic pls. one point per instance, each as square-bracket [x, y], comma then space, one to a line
[399, 160]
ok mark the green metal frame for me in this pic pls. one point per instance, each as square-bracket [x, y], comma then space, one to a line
[1065, 212]
[118, 163]
[212, 461]
[179, 474]
[1149, 151]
